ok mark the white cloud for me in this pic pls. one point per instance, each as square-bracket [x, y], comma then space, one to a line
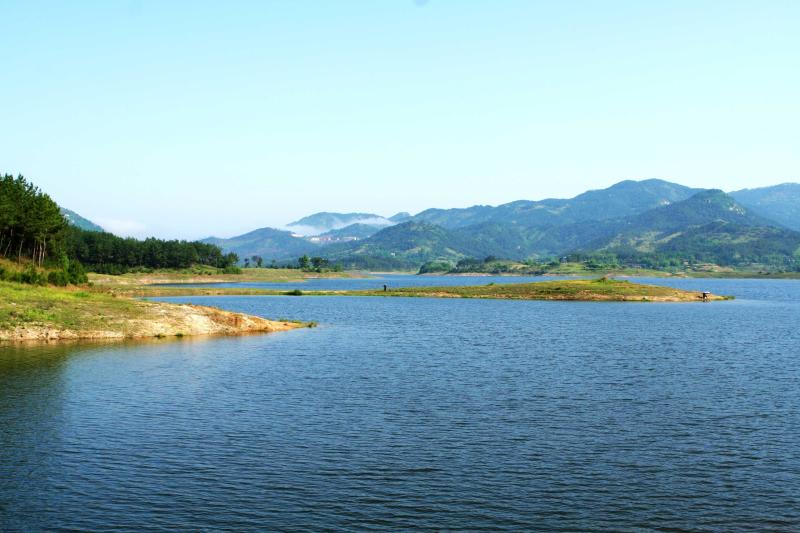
[338, 224]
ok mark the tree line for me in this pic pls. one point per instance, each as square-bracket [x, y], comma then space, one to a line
[32, 227]
[31, 223]
[108, 254]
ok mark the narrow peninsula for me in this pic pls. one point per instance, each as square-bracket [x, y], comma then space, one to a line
[603, 289]
[48, 313]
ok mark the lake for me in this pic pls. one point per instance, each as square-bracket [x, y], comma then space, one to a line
[419, 414]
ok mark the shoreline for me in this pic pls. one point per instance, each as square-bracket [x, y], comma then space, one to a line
[572, 290]
[33, 313]
[248, 275]
[172, 320]
[626, 274]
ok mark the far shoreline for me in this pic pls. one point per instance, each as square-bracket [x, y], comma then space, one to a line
[603, 289]
[37, 313]
[616, 274]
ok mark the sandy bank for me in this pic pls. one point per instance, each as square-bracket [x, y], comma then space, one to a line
[30, 314]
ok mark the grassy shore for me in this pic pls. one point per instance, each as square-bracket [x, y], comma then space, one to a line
[742, 274]
[578, 290]
[111, 312]
[213, 275]
[44, 313]
[702, 274]
[512, 268]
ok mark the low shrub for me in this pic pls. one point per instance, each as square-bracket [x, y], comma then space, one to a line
[76, 274]
[32, 276]
[58, 278]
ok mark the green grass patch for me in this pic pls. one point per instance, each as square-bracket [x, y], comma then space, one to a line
[604, 289]
[24, 305]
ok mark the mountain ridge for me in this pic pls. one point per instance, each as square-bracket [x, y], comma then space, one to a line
[779, 202]
[78, 221]
[269, 243]
[324, 221]
[628, 218]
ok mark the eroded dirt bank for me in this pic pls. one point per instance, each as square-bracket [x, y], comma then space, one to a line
[155, 319]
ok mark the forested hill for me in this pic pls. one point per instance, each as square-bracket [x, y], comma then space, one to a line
[319, 223]
[709, 226]
[78, 221]
[31, 224]
[353, 231]
[631, 218]
[652, 223]
[403, 246]
[622, 199]
[107, 253]
[33, 228]
[780, 203]
[268, 243]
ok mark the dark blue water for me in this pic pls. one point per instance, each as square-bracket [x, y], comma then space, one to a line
[420, 414]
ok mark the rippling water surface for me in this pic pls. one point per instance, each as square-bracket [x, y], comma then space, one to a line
[420, 414]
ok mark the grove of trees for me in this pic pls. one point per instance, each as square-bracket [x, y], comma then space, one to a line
[31, 224]
[316, 264]
[107, 253]
[32, 227]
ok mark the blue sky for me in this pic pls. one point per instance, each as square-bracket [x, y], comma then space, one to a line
[186, 119]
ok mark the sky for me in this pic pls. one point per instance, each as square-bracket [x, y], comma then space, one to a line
[189, 119]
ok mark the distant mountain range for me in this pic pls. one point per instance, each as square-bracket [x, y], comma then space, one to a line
[348, 233]
[319, 223]
[623, 199]
[631, 219]
[780, 203]
[267, 243]
[78, 221]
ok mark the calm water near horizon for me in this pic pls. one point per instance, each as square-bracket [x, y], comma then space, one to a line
[419, 414]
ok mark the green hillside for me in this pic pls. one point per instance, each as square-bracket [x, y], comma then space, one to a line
[402, 216]
[710, 226]
[406, 245]
[270, 244]
[652, 222]
[780, 203]
[726, 243]
[321, 222]
[78, 221]
[358, 231]
[622, 199]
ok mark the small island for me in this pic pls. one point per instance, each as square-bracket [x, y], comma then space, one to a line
[601, 290]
